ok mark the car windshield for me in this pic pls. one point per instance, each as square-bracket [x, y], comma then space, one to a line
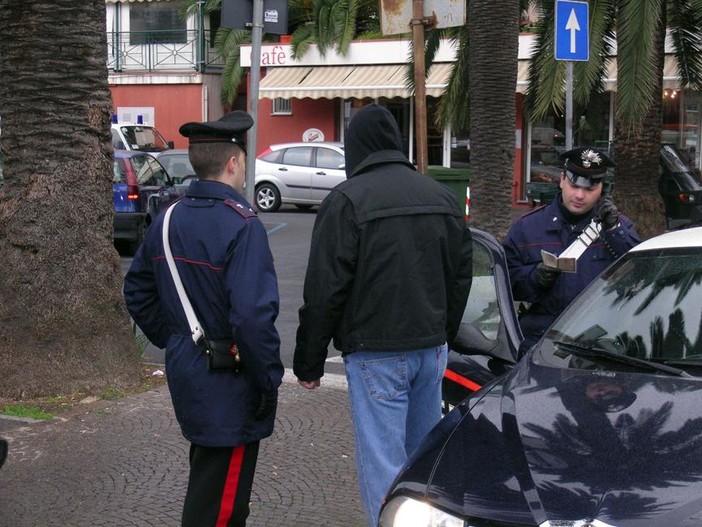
[144, 138]
[648, 306]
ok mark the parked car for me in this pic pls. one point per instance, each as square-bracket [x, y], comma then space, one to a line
[680, 188]
[177, 164]
[141, 188]
[297, 173]
[599, 424]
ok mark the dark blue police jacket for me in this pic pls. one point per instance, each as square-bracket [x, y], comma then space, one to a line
[548, 228]
[223, 258]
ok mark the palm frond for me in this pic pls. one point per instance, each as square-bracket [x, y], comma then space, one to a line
[685, 22]
[344, 15]
[454, 108]
[589, 75]
[302, 39]
[228, 44]
[546, 75]
[637, 26]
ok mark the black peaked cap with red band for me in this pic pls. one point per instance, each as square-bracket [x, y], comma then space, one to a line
[230, 128]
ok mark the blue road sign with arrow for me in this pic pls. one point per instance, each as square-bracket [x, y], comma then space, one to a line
[572, 30]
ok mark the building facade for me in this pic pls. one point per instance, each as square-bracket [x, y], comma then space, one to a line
[320, 93]
[162, 65]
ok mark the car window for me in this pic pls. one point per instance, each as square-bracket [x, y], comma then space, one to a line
[482, 310]
[177, 166]
[328, 158]
[119, 175]
[273, 156]
[645, 307]
[117, 141]
[158, 177]
[298, 155]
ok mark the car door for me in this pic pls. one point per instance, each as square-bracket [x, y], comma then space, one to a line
[328, 171]
[295, 172]
[489, 337]
[155, 186]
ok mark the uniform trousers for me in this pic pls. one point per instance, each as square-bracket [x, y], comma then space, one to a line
[219, 486]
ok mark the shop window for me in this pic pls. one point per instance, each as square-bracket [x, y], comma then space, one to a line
[282, 106]
[156, 23]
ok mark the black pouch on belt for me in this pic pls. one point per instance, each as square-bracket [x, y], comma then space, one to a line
[222, 354]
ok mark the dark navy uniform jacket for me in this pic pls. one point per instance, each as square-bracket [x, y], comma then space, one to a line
[222, 254]
[548, 228]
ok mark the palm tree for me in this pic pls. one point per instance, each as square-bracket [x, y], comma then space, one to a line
[480, 99]
[637, 27]
[63, 325]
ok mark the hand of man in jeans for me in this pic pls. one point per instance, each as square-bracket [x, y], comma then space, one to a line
[310, 385]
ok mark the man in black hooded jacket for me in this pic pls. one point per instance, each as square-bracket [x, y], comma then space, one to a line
[388, 277]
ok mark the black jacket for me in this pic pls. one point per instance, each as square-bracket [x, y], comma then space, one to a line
[390, 264]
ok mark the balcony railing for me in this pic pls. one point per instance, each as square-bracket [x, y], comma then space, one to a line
[161, 50]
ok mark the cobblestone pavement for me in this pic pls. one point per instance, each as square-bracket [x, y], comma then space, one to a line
[124, 463]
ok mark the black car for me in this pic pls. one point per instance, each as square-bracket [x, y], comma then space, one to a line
[680, 188]
[600, 424]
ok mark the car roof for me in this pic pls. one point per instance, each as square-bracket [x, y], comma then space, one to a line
[691, 237]
[278, 146]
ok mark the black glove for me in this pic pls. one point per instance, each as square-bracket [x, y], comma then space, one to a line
[607, 212]
[545, 276]
[266, 405]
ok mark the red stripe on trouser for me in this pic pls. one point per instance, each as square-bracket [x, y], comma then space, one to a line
[231, 484]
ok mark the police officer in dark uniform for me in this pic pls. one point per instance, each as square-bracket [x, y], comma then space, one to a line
[553, 228]
[221, 251]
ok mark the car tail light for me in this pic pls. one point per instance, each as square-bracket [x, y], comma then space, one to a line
[686, 198]
[132, 186]
[132, 191]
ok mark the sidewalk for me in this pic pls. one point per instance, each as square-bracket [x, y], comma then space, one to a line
[124, 463]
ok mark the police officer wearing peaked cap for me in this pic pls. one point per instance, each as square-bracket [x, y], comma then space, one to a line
[224, 261]
[553, 228]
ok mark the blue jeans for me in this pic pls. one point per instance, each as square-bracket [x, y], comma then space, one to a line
[395, 401]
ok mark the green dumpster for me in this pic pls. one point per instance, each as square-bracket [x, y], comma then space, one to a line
[457, 179]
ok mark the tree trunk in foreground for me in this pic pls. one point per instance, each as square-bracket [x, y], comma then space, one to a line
[63, 325]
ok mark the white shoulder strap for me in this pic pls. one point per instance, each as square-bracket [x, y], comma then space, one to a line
[195, 328]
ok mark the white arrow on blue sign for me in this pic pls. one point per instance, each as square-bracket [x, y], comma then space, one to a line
[572, 30]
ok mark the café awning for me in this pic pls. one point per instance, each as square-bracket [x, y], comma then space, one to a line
[330, 82]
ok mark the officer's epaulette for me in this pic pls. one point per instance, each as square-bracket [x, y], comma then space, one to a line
[244, 211]
[532, 211]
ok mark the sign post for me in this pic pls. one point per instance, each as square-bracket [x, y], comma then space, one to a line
[270, 16]
[395, 17]
[572, 43]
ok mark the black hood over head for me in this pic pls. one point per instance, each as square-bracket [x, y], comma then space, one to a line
[373, 129]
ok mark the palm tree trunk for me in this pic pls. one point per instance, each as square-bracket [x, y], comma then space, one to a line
[637, 153]
[63, 325]
[494, 39]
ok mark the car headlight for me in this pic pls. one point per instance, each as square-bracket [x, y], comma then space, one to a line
[407, 512]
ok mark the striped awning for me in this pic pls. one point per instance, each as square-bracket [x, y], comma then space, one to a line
[330, 82]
